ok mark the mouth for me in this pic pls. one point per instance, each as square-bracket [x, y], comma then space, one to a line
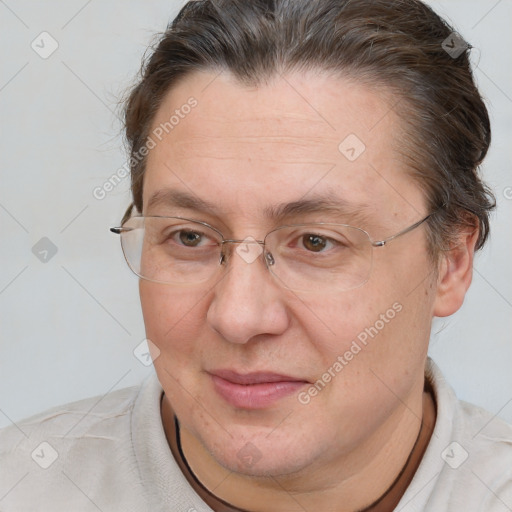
[256, 390]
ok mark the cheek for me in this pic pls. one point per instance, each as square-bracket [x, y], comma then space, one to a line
[172, 317]
[381, 328]
[173, 321]
[394, 327]
[332, 322]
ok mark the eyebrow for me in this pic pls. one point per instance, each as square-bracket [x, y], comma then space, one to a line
[172, 197]
[316, 204]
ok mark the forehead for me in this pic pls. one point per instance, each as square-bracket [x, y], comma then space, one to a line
[296, 135]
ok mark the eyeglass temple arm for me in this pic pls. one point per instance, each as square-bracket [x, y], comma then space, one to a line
[120, 230]
[381, 243]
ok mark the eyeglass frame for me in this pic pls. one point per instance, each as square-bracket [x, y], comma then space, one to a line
[374, 243]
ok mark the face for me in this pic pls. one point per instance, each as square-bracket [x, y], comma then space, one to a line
[347, 361]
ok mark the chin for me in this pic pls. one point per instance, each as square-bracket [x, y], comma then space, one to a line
[258, 455]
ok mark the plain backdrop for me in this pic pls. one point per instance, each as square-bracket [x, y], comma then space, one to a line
[70, 317]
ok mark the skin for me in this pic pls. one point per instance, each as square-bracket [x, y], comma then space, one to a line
[245, 149]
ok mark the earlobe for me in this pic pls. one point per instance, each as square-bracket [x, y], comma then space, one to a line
[455, 274]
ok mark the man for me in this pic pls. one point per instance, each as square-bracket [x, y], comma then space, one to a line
[305, 201]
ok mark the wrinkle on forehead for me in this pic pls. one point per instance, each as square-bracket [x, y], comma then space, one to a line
[285, 148]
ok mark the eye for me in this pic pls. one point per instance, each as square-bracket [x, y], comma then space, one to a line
[173, 234]
[189, 238]
[315, 243]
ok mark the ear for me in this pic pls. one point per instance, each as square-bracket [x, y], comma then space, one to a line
[455, 273]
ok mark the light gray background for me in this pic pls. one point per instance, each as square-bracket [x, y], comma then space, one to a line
[69, 326]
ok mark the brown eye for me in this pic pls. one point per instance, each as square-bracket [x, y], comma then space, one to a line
[190, 238]
[314, 243]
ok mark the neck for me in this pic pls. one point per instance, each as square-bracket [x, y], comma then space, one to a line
[371, 476]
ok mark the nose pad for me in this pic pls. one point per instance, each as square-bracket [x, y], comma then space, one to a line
[267, 257]
[226, 254]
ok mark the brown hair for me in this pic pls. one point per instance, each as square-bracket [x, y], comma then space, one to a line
[400, 45]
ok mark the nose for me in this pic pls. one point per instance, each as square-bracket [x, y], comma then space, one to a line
[247, 302]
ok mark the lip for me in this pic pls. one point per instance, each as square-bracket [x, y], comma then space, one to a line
[254, 390]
